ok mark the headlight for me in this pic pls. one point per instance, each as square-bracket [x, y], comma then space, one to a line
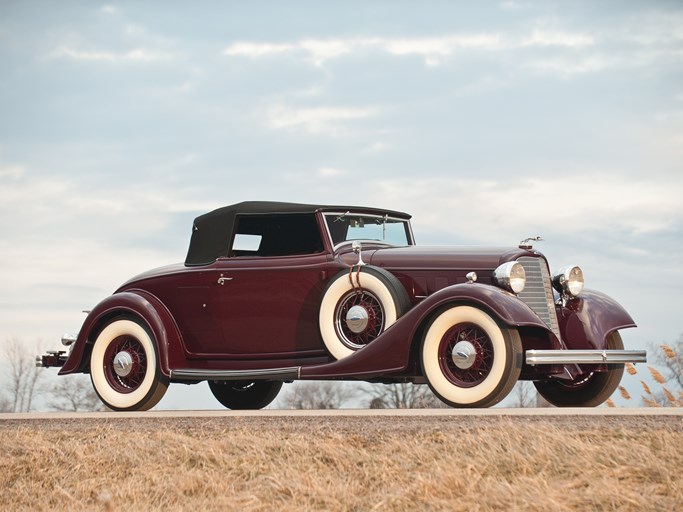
[569, 280]
[511, 276]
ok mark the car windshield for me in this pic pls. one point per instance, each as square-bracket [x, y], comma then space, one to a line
[347, 226]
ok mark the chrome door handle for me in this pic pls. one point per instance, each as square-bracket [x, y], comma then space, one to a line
[222, 280]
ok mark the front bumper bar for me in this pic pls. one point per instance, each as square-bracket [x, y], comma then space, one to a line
[536, 357]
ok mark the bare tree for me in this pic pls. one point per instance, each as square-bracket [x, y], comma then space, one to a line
[524, 395]
[317, 395]
[402, 396]
[24, 377]
[74, 393]
[5, 404]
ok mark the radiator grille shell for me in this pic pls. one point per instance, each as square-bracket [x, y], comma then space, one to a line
[538, 292]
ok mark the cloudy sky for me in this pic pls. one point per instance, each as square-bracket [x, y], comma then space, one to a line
[489, 122]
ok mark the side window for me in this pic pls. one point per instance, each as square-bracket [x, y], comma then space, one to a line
[276, 235]
[246, 243]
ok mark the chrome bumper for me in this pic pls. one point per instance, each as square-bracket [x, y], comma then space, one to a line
[534, 357]
[51, 359]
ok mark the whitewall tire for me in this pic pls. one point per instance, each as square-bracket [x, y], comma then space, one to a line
[124, 368]
[357, 307]
[468, 359]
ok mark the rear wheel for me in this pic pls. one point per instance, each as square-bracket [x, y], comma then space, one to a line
[468, 359]
[588, 389]
[245, 394]
[124, 369]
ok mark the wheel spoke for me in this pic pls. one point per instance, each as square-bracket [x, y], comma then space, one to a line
[483, 359]
[375, 318]
[134, 378]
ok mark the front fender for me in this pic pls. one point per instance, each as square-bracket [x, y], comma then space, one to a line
[389, 353]
[132, 302]
[586, 320]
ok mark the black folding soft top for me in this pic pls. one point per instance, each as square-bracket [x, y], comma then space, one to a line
[212, 232]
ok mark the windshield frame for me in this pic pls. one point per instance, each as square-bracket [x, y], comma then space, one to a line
[410, 239]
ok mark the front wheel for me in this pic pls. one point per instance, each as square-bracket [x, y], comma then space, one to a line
[124, 368]
[588, 389]
[468, 359]
[245, 394]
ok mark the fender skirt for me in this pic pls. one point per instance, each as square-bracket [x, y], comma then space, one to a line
[137, 303]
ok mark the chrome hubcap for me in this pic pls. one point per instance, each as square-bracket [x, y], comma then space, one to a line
[464, 354]
[123, 364]
[357, 319]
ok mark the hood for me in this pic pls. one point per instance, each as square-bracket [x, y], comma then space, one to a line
[451, 258]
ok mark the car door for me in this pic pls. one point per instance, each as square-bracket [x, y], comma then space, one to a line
[268, 307]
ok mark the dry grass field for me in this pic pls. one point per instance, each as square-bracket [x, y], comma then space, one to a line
[343, 463]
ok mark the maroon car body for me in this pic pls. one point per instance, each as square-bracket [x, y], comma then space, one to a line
[276, 292]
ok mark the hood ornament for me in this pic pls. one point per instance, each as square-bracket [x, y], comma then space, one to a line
[524, 244]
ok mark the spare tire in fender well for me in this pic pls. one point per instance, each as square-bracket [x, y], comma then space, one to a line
[375, 299]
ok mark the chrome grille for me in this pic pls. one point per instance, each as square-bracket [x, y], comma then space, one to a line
[538, 292]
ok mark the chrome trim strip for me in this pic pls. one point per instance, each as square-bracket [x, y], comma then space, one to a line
[290, 373]
[534, 357]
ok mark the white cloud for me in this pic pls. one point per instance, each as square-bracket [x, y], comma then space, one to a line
[434, 50]
[322, 50]
[12, 172]
[258, 50]
[330, 120]
[134, 55]
[510, 5]
[571, 65]
[544, 37]
[377, 147]
[329, 172]
[578, 204]
[318, 51]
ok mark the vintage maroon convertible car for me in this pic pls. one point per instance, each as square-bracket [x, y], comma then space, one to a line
[276, 292]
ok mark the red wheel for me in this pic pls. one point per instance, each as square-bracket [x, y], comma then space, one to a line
[359, 319]
[468, 359]
[125, 364]
[476, 355]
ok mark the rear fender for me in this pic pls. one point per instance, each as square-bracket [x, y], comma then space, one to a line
[587, 320]
[136, 303]
[390, 352]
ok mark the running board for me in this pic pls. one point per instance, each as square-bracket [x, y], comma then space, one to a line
[534, 357]
[291, 373]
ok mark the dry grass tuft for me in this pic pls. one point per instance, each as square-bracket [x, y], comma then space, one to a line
[670, 397]
[630, 369]
[659, 378]
[624, 393]
[668, 352]
[646, 388]
[386, 464]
